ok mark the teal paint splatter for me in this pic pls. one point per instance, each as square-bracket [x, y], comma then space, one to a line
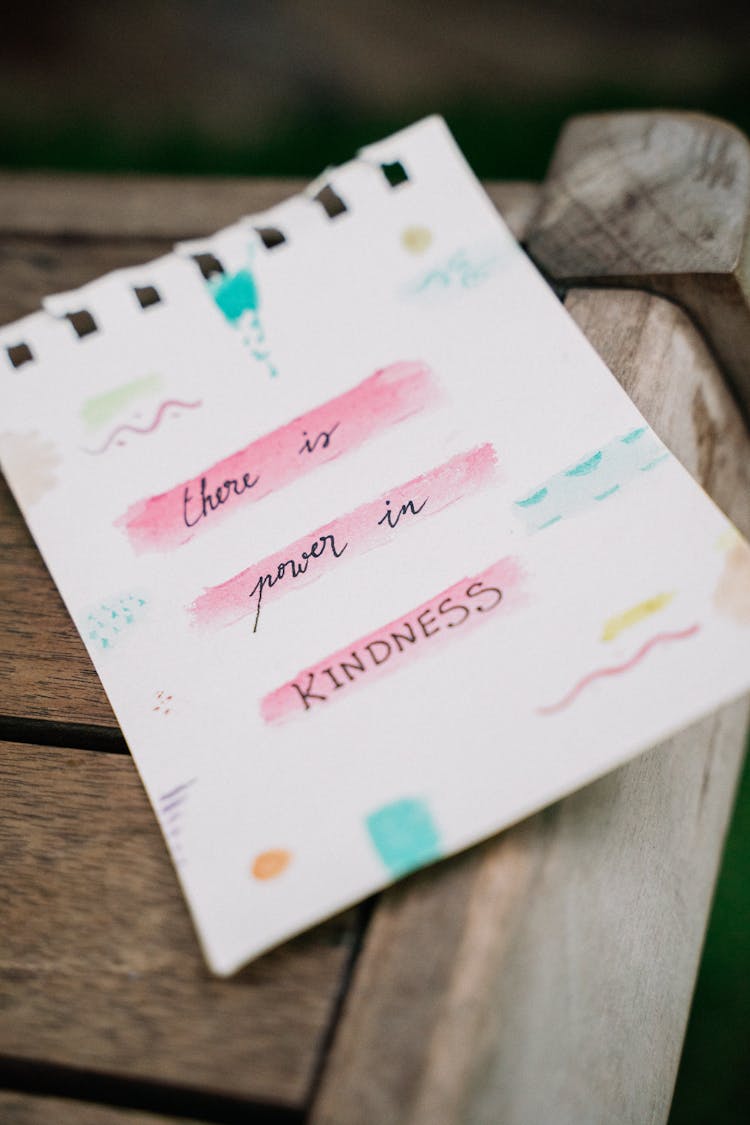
[105, 622]
[235, 294]
[404, 835]
[594, 478]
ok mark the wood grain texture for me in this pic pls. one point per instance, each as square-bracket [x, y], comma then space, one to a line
[160, 207]
[26, 1109]
[99, 965]
[547, 975]
[67, 230]
[658, 201]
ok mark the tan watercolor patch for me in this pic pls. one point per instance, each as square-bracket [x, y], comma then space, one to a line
[30, 462]
[416, 239]
[732, 594]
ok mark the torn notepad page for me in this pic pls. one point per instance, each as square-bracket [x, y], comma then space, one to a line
[372, 553]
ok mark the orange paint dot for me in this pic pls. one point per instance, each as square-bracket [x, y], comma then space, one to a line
[269, 864]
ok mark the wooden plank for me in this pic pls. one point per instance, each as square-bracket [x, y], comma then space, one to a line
[130, 206]
[162, 207]
[547, 975]
[99, 965]
[44, 668]
[26, 1109]
[45, 671]
[660, 201]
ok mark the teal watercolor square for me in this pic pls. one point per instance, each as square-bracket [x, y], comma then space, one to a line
[404, 835]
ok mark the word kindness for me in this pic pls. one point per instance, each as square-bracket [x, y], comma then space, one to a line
[446, 615]
[454, 612]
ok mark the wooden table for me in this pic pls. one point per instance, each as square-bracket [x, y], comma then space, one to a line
[544, 976]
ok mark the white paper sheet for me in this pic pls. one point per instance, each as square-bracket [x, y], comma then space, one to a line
[483, 580]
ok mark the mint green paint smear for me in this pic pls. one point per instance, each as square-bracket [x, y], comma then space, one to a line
[101, 409]
[404, 835]
[582, 486]
[235, 294]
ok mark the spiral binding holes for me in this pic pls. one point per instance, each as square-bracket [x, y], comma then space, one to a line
[332, 204]
[208, 264]
[83, 323]
[147, 295]
[271, 237]
[395, 173]
[18, 354]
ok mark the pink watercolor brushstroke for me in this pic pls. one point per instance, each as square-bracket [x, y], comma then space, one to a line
[352, 534]
[389, 395]
[454, 612]
[617, 669]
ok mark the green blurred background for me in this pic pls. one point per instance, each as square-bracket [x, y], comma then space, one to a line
[287, 87]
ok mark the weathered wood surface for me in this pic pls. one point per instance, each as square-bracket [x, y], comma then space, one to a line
[74, 229]
[565, 950]
[546, 976]
[25, 1109]
[99, 965]
[109, 208]
[659, 201]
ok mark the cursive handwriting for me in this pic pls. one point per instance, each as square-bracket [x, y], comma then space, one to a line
[293, 568]
[392, 520]
[324, 437]
[393, 640]
[210, 501]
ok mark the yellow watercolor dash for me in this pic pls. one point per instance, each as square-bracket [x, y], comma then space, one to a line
[615, 625]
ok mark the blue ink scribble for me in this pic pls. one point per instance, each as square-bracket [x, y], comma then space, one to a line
[463, 270]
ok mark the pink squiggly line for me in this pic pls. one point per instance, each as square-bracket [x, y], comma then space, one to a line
[145, 429]
[616, 669]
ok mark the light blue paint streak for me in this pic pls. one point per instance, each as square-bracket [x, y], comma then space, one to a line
[652, 464]
[634, 435]
[595, 477]
[585, 467]
[404, 835]
[535, 498]
[609, 492]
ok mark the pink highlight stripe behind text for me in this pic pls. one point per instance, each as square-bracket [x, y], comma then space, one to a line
[392, 394]
[453, 613]
[352, 534]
